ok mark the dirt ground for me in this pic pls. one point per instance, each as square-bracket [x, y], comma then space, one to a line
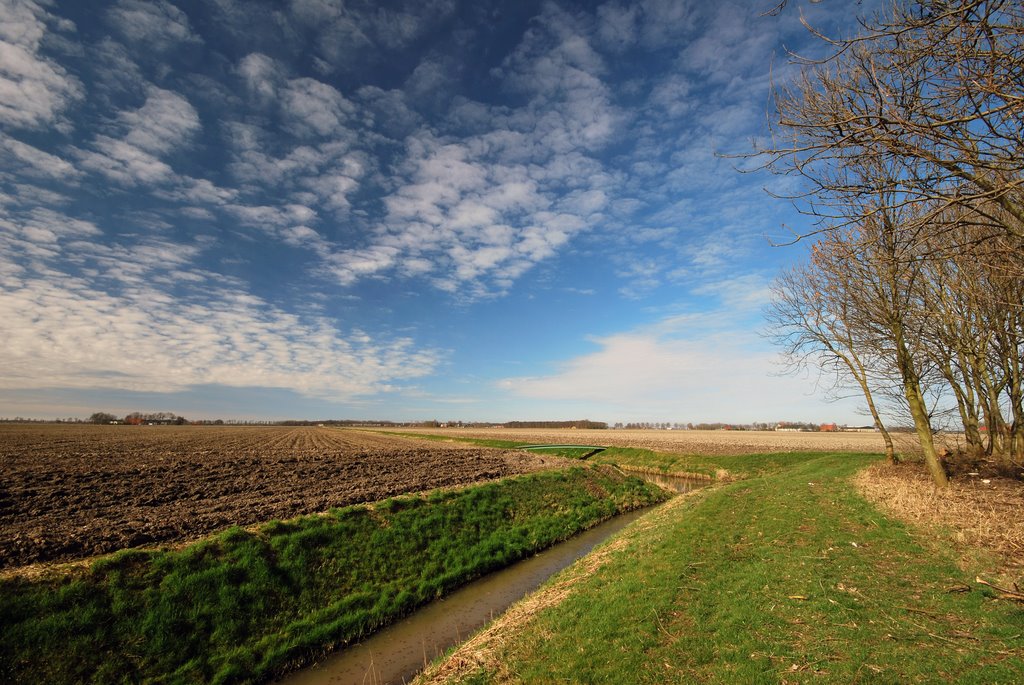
[70, 492]
[683, 441]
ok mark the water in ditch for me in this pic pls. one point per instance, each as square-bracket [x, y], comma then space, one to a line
[397, 653]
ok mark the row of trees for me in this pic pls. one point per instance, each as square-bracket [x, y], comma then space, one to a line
[910, 141]
[139, 418]
[717, 426]
[581, 423]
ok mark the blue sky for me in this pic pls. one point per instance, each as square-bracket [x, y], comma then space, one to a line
[431, 209]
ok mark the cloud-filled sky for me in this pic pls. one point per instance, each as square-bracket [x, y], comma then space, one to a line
[408, 210]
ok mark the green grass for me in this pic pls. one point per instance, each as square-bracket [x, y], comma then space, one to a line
[738, 466]
[243, 605]
[785, 577]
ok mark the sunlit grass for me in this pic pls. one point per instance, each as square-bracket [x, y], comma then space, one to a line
[714, 466]
[789, 576]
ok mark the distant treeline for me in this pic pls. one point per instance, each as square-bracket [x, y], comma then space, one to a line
[138, 418]
[165, 418]
[556, 424]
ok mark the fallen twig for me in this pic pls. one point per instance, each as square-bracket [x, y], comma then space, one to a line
[1003, 592]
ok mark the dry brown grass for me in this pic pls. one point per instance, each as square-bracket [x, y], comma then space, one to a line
[980, 516]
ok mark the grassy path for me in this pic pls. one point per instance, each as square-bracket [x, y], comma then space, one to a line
[788, 576]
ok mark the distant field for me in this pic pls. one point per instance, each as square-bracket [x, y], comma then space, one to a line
[690, 442]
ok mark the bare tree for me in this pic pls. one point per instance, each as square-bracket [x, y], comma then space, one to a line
[909, 138]
[879, 261]
[1004, 278]
[810, 318]
[933, 90]
[974, 289]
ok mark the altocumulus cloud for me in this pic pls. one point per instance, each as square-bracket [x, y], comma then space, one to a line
[142, 318]
[35, 90]
[293, 195]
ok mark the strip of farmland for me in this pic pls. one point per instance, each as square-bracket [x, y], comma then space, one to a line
[71, 492]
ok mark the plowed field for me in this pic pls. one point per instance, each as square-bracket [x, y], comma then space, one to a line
[70, 492]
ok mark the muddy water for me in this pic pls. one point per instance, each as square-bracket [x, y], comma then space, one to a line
[399, 652]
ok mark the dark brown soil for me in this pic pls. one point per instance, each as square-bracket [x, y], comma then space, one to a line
[70, 492]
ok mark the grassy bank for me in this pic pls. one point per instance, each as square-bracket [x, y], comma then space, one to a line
[646, 460]
[734, 467]
[247, 603]
[789, 576]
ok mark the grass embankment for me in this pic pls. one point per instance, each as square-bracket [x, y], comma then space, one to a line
[710, 466]
[243, 605]
[644, 460]
[790, 576]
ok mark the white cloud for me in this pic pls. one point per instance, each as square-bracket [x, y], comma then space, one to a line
[28, 194]
[324, 172]
[730, 45]
[114, 68]
[345, 30]
[663, 22]
[617, 25]
[390, 111]
[31, 237]
[560, 71]
[351, 265]
[475, 210]
[262, 75]
[124, 163]
[165, 123]
[79, 313]
[747, 292]
[673, 95]
[454, 215]
[332, 189]
[162, 124]
[36, 162]
[666, 373]
[64, 333]
[315, 108]
[584, 203]
[156, 24]
[190, 190]
[34, 90]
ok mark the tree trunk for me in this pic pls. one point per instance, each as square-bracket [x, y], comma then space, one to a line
[912, 390]
[918, 409]
[1015, 394]
[993, 416]
[890, 453]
